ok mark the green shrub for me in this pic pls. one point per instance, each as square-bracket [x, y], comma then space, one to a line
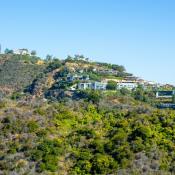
[32, 126]
[2, 104]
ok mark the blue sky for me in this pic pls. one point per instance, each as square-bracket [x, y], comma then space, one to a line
[139, 34]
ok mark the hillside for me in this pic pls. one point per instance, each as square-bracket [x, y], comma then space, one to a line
[76, 116]
[82, 138]
[17, 72]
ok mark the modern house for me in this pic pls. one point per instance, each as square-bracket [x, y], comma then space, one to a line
[166, 105]
[127, 85]
[71, 77]
[108, 71]
[131, 78]
[22, 52]
[165, 94]
[83, 86]
[92, 85]
[99, 86]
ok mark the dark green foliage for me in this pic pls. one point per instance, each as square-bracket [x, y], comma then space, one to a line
[103, 164]
[46, 154]
[112, 85]
[90, 95]
[8, 51]
[118, 68]
[33, 52]
[54, 64]
[143, 95]
[173, 99]
[95, 76]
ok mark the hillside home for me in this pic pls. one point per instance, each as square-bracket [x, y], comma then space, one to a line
[165, 94]
[141, 81]
[99, 86]
[73, 77]
[166, 105]
[127, 85]
[22, 52]
[84, 86]
[92, 85]
[168, 86]
[131, 78]
[108, 71]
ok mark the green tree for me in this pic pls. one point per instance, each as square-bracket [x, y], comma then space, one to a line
[112, 85]
[94, 96]
[124, 91]
[173, 98]
[33, 52]
[8, 51]
[103, 164]
[48, 58]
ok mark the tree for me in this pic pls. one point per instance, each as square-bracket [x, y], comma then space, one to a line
[90, 95]
[139, 93]
[48, 58]
[173, 99]
[33, 52]
[94, 96]
[124, 91]
[79, 57]
[112, 85]
[87, 59]
[8, 51]
[54, 65]
[118, 68]
[69, 58]
[102, 164]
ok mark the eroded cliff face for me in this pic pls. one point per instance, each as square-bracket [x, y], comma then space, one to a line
[41, 85]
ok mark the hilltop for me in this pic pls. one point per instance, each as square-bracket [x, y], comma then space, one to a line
[17, 72]
[24, 75]
[77, 116]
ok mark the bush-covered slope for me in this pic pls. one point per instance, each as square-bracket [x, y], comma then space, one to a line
[80, 138]
[16, 73]
[82, 131]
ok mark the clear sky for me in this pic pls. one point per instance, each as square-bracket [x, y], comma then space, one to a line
[139, 34]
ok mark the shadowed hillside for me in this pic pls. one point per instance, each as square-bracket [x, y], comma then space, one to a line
[17, 72]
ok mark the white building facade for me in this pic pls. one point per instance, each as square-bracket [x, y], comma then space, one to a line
[92, 85]
[127, 85]
[22, 52]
